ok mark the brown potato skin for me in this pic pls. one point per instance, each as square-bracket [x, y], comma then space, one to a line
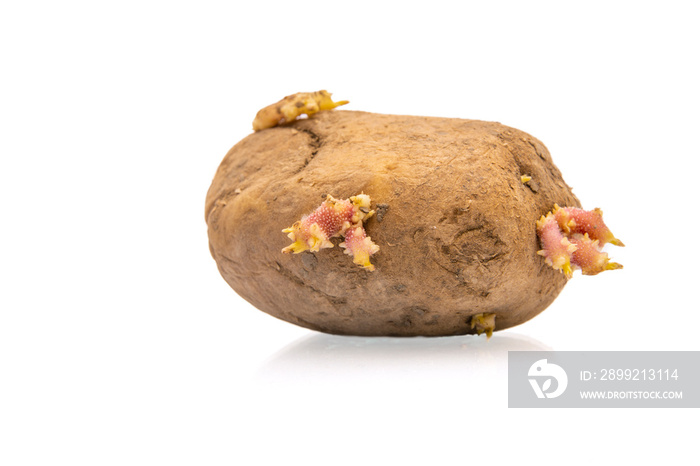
[458, 237]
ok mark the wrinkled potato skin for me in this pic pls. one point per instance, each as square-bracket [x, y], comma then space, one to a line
[458, 237]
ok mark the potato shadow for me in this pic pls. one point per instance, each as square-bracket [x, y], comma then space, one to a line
[338, 361]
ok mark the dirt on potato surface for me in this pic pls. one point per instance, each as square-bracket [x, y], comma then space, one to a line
[455, 223]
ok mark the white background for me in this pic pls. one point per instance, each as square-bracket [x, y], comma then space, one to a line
[121, 344]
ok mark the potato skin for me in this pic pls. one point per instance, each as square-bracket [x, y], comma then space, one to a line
[456, 226]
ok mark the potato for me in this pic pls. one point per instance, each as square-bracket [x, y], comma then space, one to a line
[456, 202]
